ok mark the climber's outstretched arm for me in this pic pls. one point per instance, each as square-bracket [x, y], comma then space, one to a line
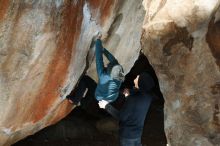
[109, 56]
[99, 57]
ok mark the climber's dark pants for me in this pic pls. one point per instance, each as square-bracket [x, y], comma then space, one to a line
[77, 94]
[89, 102]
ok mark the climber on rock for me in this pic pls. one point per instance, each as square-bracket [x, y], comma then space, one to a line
[132, 114]
[110, 77]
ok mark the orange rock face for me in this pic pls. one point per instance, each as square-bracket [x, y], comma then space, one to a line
[43, 49]
[37, 43]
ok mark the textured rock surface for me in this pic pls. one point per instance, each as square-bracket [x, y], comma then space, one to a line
[43, 49]
[44, 44]
[181, 40]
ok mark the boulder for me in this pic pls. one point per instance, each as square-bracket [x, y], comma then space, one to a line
[45, 46]
[181, 40]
